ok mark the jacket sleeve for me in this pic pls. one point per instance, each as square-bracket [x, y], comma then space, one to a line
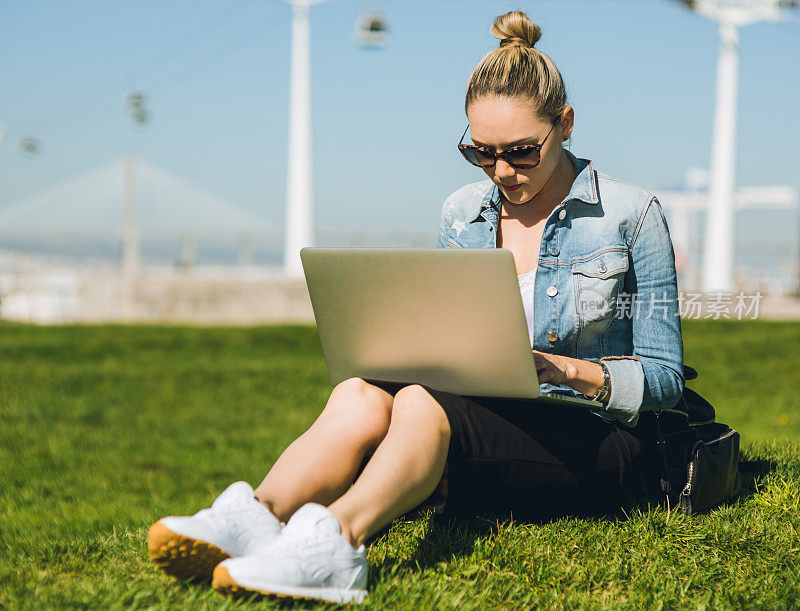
[651, 378]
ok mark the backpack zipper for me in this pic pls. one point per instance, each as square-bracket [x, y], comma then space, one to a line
[721, 438]
[687, 489]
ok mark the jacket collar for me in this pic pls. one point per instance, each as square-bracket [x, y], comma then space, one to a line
[584, 188]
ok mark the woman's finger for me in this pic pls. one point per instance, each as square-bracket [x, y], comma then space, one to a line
[539, 358]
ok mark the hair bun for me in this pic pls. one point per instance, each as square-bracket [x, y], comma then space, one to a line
[515, 28]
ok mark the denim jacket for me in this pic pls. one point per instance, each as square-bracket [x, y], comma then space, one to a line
[605, 287]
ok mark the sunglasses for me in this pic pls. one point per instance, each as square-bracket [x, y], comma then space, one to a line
[521, 157]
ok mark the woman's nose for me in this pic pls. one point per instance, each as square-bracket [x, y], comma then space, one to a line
[502, 169]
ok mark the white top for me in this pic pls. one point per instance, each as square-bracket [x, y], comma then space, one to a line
[526, 282]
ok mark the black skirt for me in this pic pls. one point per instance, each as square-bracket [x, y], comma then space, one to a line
[535, 461]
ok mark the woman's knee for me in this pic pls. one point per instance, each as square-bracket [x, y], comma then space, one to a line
[359, 400]
[415, 402]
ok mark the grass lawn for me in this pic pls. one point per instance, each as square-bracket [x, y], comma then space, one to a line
[104, 429]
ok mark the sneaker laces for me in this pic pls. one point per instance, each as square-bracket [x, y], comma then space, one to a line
[242, 512]
[310, 523]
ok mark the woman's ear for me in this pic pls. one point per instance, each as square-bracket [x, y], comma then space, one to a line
[567, 123]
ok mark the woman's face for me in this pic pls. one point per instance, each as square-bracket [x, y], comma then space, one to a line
[500, 123]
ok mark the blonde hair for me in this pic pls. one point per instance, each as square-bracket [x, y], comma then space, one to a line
[518, 70]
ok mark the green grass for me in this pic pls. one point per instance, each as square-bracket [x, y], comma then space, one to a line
[104, 429]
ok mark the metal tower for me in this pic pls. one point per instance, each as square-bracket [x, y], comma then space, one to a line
[730, 15]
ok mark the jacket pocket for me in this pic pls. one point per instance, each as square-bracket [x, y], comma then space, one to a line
[598, 278]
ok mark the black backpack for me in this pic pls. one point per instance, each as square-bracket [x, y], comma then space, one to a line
[698, 454]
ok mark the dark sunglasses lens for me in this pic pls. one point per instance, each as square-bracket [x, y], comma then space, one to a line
[477, 157]
[523, 157]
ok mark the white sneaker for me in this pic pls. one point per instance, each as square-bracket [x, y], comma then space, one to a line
[311, 559]
[189, 547]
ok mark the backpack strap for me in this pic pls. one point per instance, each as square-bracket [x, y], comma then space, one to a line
[666, 486]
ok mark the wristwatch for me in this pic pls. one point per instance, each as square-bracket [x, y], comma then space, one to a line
[606, 388]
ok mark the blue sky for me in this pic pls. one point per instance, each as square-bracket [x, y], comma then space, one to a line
[639, 73]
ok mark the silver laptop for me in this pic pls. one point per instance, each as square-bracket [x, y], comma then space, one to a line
[450, 319]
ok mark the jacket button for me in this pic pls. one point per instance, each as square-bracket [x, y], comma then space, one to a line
[552, 291]
[552, 337]
[602, 268]
[562, 214]
[553, 250]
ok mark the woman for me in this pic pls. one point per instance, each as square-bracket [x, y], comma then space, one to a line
[581, 241]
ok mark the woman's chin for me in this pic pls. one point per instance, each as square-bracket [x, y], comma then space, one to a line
[517, 197]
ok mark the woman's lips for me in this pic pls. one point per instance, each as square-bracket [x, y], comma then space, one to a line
[511, 188]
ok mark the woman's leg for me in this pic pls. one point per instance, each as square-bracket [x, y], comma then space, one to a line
[321, 563]
[321, 464]
[404, 470]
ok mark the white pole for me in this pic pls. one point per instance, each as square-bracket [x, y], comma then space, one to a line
[299, 212]
[719, 236]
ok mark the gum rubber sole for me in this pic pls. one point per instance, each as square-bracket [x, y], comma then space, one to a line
[224, 584]
[183, 557]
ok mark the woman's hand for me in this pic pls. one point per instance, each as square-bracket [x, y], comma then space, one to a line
[584, 376]
[554, 368]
